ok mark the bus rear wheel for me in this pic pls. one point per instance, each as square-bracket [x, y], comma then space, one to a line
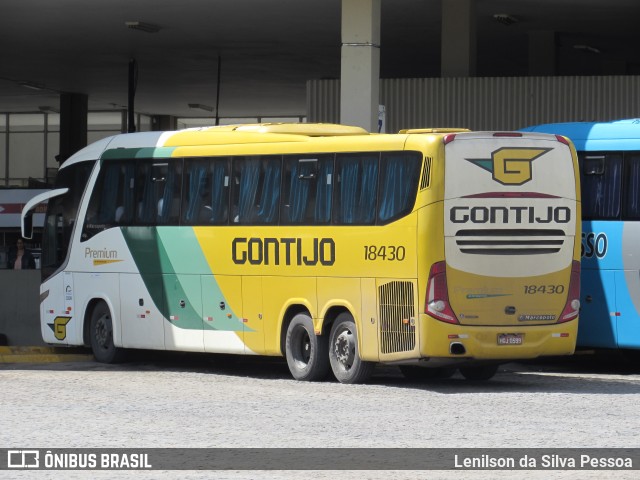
[344, 357]
[479, 373]
[101, 334]
[307, 353]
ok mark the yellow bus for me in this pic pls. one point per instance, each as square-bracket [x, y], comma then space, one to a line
[333, 247]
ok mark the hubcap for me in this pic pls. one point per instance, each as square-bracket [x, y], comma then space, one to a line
[344, 349]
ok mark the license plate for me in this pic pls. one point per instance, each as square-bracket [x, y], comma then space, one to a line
[510, 339]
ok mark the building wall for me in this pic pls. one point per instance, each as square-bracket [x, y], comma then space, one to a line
[501, 103]
[20, 319]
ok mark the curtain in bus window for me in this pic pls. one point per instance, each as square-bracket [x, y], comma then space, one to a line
[324, 185]
[358, 181]
[398, 184]
[108, 199]
[348, 184]
[168, 195]
[197, 175]
[128, 194]
[148, 206]
[367, 204]
[632, 202]
[601, 191]
[269, 200]
[219, 195]
[249, 177]
[302, 174]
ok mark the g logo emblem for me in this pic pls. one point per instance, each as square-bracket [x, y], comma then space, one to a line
[510, 165]
[59, 327]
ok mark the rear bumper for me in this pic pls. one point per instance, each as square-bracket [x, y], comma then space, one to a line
[439, 339]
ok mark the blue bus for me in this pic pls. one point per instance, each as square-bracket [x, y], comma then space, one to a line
[609, 159]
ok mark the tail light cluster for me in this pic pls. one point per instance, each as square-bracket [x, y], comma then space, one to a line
[437, 301]
[572, 307]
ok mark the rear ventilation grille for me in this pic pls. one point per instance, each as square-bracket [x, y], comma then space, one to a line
[425, 180]
[510, 241]
[397, 317]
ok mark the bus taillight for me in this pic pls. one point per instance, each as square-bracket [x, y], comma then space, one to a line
[437, 298]
[572, 306]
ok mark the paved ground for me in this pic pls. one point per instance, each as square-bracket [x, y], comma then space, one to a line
[191, 401]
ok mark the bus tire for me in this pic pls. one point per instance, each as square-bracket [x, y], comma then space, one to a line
[307, 353]
[101, 332]
[479, 373]
[412, 372]
[346, 364]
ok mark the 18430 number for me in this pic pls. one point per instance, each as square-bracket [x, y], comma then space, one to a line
[546, 289]
[391, 253]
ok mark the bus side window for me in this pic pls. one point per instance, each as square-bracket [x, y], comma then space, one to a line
[306, 196]
[158, 192]
[206, 197]
[632, 187]
[108, 199]
[356, 192]
[601, 184]
[256, 189]
[398, 184]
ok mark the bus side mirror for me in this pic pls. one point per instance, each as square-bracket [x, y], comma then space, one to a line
[26, 219]
[27, 225]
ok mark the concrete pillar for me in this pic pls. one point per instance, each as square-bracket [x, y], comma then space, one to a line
[542, 53]
[360, 67]
[73, 124]
[458, 39]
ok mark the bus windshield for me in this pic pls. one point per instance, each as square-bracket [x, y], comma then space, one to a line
[61, 216]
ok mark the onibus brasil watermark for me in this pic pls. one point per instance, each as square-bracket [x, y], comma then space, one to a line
[320, 459]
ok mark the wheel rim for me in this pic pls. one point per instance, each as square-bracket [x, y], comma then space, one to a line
[103, 332]
[301, 350]
[344, 349]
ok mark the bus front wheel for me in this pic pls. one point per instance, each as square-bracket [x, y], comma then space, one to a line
[307, 353]
[102, 336]
[344, 357]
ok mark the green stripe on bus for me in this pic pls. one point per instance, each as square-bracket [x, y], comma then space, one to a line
[146, 152]
[159, 257]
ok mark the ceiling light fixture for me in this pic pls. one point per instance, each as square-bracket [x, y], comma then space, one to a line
[143, 27]
[587, 48]
[201, 107]
[46, 109]
[505, 19]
